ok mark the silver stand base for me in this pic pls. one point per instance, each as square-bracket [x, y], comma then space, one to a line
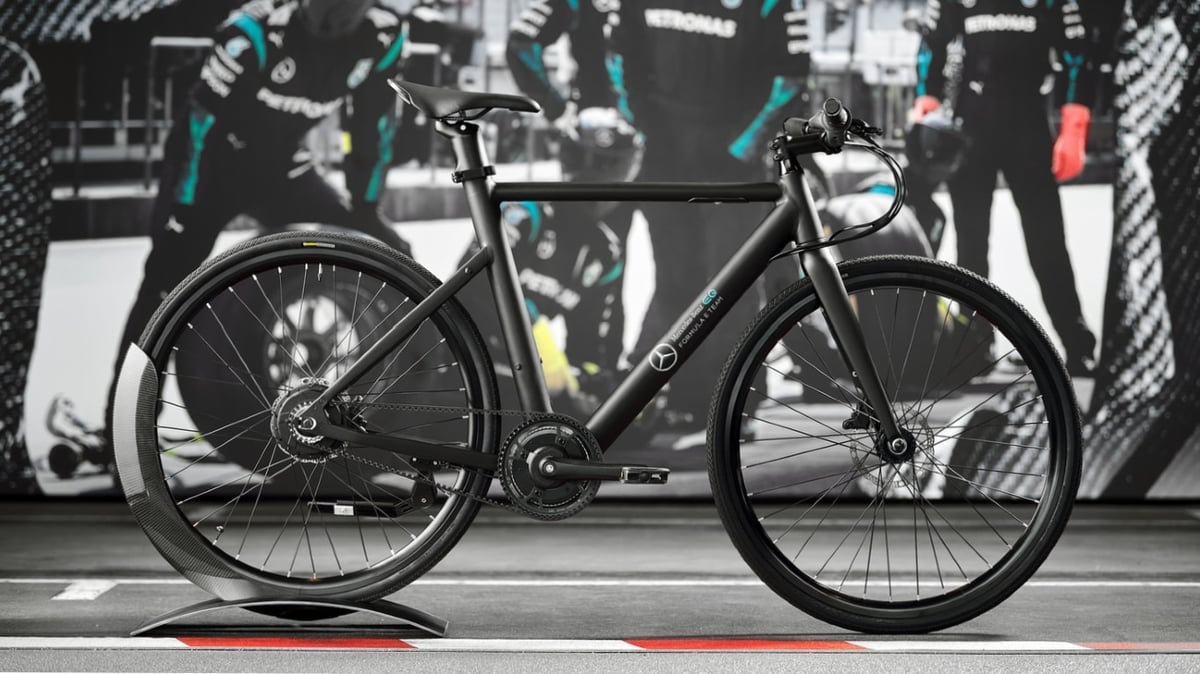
[306, 610]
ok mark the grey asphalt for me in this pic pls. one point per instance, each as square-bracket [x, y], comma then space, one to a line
[1121, 574]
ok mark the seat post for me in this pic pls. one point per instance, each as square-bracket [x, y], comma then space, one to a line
[473, 172]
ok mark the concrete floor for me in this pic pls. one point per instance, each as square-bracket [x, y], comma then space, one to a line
[553, 596]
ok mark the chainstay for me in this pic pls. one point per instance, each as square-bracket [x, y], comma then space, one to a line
[418, 477]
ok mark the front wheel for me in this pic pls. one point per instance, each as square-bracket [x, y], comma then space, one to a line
[910, 543]
[214, 468]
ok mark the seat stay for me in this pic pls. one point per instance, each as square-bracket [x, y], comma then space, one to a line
[403, 328]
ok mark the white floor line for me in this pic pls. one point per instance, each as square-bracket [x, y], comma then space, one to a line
[971, 646]
[534, 645]
[68, 580]
[84, 590]
[89, 642]
[84, 585]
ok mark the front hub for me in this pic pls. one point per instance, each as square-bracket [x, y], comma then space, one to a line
[898, 449]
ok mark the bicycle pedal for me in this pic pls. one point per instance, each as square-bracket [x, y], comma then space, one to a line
[644, 475]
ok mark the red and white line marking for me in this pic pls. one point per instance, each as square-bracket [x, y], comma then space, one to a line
[579, 645]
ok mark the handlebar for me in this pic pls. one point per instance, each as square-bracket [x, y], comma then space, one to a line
[828, 132]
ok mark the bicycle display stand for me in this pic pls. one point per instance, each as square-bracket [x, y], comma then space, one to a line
[303, 610]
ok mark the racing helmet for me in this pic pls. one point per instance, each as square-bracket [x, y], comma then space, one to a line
[328, 19]
[935, 147]
[606, 149]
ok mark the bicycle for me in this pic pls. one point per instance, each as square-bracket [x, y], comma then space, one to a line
[887, 533]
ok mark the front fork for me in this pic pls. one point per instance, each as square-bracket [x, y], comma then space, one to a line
[819, 266]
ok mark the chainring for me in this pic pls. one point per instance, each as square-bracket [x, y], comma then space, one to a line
[547, 435]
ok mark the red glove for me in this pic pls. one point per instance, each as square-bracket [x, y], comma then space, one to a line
[1072, 139]
[923, 106]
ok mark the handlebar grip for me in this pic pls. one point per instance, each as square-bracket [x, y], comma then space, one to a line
[824, 131]
[834, 121]
[837, 117]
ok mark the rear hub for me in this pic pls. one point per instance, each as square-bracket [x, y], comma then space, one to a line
[293, 428]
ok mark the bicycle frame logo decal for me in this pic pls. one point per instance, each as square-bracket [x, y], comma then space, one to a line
[663, 357]
[700, 315]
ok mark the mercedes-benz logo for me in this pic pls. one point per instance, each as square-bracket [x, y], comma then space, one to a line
[663, 357]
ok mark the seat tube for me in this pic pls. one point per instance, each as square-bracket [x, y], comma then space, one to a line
[831, 293]
[473, 171]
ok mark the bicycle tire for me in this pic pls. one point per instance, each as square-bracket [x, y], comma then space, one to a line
[352, 529]
[756, 447]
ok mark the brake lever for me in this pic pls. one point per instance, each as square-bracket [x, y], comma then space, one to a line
[860, 128]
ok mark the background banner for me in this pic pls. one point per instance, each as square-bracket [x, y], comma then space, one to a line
[1141, 431]
[89, 91]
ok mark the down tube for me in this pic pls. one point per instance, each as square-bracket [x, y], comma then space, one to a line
[655, 369]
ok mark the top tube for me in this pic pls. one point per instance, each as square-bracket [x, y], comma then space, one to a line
[698, 192]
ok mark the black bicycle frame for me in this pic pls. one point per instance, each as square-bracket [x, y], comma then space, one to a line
[794, 218]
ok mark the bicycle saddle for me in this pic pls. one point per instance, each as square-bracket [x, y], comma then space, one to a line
[440, 103]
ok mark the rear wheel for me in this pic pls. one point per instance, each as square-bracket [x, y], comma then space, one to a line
[298, 330]
[916, 542]
[244, 506]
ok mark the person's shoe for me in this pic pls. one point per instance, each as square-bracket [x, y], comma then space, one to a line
[1081, 366]
[1080, 344]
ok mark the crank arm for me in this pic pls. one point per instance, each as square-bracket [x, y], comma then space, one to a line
[558, 468]
[408, 446]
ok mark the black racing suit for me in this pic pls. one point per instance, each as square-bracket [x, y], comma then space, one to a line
[541, 24]
[1006, 59]
[236, 148]
[705, 83]
[586, 23]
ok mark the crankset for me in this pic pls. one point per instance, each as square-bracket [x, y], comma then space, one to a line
[529, 462]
